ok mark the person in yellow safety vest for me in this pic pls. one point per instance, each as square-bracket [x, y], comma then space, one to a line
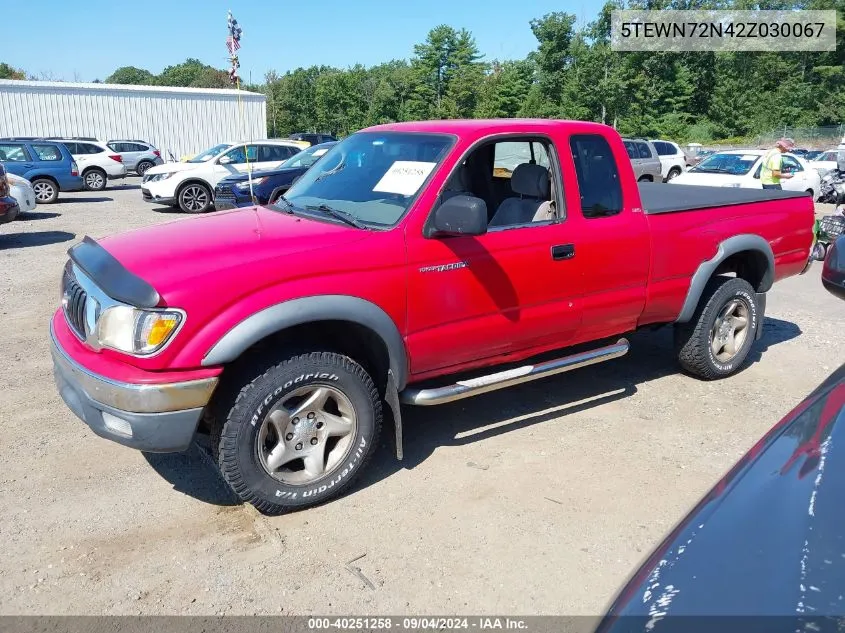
[771, 173]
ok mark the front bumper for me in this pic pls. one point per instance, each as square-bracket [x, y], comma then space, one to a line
[158, 418]
[148, 196]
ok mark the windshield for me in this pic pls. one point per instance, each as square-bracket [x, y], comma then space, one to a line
[733, 164]
[307, 157]
[372, 176]
[208, 154]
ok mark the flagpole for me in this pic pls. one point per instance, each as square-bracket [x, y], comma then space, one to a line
[233, 44]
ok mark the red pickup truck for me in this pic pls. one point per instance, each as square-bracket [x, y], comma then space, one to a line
[415, 263]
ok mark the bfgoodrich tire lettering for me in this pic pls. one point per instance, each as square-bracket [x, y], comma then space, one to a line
[248, 467]
[727, 311]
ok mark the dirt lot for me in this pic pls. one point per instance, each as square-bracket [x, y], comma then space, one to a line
[536, 500]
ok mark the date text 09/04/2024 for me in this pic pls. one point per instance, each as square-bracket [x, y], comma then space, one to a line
[417, 623]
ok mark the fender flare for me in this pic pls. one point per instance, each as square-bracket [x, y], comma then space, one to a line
[287, 314]
[731, 246]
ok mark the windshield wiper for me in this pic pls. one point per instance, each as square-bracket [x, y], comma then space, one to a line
[337, 213]
[286, 202]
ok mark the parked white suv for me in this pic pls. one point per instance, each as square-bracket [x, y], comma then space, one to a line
[97, 163]
[673, 160]
[189, 185]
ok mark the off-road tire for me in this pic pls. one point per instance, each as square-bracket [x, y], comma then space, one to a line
[236, 453]
[692, 339]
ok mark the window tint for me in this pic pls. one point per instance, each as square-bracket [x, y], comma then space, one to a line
[598, 177]
[47, 152]
[274, 153]
[87, 148]
[643, 150]
[508, 154]
[664, 149]
[13, 153]
[134, 147]
[632, 151]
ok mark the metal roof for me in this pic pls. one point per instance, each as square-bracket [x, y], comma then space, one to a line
[113, 88]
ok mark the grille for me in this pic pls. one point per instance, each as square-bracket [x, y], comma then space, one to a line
[74, 302]
[224, 190]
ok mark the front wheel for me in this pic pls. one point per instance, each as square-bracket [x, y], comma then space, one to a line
[716, 341]
[195, 198]
[300, 433]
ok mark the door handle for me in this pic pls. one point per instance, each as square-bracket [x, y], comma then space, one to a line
[563, 251]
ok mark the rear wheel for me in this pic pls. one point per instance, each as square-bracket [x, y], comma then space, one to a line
[142, 167]
[716, 341]
[195, 198]
[46, 191]
[300, 433]
[94, 179]
[644, 179]
[673, 173]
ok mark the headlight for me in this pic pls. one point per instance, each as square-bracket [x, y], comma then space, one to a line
[732, 184]
[157, 177]
[255, 182]
[135, 331]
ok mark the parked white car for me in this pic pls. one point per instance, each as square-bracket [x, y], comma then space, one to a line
[189, 185]
[21, 190]
[741, 168]
[97, 163]
[826, 161]
[673, 160]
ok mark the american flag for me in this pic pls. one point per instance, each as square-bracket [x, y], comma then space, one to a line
[232, 44]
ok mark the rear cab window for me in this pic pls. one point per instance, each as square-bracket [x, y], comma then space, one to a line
[599, 186]
[47, 152]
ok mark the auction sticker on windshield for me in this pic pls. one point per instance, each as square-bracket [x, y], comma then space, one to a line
[404, 177]
[749, 157]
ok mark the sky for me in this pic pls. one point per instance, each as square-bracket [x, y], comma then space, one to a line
[90, 42]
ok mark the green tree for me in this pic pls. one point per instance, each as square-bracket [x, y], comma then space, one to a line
[131, 75]
[7, 72]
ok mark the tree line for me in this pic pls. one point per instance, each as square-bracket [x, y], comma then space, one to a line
[572, 74]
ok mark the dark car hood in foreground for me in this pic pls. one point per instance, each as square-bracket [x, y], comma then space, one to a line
[292, 171]
[768, 540]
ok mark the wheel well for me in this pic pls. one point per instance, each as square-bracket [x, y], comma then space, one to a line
[646, 178]
[351, 339]
[45, 177]
[93, 168]
[752, 266]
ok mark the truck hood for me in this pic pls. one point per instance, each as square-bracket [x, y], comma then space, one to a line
[256, 242]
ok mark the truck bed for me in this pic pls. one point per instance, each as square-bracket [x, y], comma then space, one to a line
[660, 198]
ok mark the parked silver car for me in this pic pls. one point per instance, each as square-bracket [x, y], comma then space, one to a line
[644, 158]
[138, 156]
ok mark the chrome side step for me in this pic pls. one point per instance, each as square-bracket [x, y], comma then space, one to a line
[526, 373]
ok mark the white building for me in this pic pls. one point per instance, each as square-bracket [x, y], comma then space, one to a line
[178, 120]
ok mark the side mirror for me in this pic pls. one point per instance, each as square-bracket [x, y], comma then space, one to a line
[225, 160]
[833, 273]
[459, 215]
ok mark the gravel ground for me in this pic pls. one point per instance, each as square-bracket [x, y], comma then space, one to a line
[540, 499]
